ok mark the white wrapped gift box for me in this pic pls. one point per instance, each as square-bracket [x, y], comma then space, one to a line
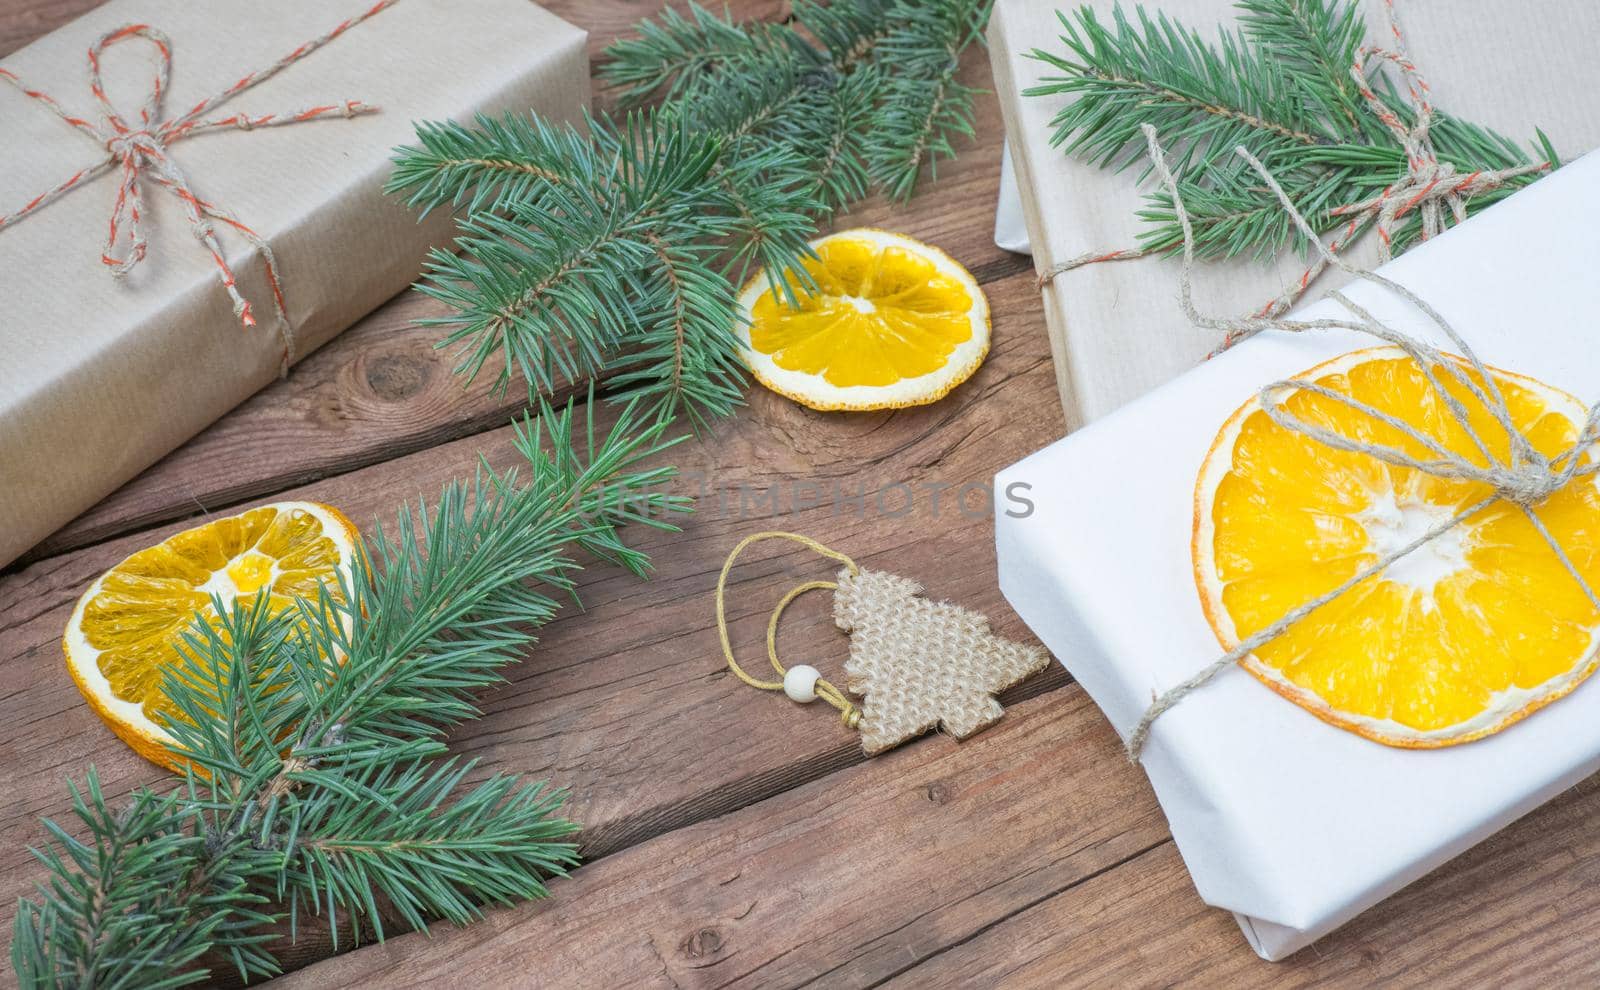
[1292, 824]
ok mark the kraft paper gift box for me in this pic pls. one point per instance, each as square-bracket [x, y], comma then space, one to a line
[100, 376]
[1292, 824]
[1112, 337]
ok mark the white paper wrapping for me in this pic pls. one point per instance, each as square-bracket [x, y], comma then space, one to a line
[1293, 824]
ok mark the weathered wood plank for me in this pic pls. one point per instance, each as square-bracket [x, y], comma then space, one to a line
[21, 21]
[1030, 856]
[604, 703]
[1507, 914]
[845, 881]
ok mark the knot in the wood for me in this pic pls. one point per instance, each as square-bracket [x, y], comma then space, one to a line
[702, 943]
[396, 377]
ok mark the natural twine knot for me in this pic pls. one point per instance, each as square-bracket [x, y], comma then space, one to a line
[140, 146]
[141, 150]
[1528, 485]
[1430, 187]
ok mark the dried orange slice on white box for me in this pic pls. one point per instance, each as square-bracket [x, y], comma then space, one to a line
[1453, 642]
[892, 323]
[126, 627]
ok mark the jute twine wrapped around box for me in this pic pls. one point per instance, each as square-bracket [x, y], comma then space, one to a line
[1525, 478]
[140, 148]
[1431, 188]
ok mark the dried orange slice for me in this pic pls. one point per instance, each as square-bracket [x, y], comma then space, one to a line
[125, 630]
[1451, 643]
[893, 322]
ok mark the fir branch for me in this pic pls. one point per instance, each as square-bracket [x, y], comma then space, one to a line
[925, 106]
[848, 32]
[1280, 86]
[415, 835]
[762, 131]
[134, 904]
[687, 356]
[1314, 40]
[673, 53]
[1206, 98]
[487, 167]
[312, 735]
[840, 175]
[548, 280]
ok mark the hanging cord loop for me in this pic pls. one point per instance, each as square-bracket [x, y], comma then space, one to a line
[849, 713]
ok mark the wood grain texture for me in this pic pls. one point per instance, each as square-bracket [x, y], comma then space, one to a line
[1031, 856]
[21, 21]
[1506, 914]
[845, 881]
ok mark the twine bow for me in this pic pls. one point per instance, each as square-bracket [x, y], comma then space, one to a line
[1524, 478]
[140, 149]
[1429, 185]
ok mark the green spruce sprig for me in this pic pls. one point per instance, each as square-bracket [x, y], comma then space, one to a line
[619, 249]
[1280, 86]
[315, 737]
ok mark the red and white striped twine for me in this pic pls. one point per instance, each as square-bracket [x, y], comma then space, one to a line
[1430, 186]
[141, 149]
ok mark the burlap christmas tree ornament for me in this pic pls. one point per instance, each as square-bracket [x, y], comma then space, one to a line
[915, 664]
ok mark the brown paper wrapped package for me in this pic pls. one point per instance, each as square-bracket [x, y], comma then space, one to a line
[100, 377]
[1116, 329]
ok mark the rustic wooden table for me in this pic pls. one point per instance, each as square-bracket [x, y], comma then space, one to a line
[731, 837]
